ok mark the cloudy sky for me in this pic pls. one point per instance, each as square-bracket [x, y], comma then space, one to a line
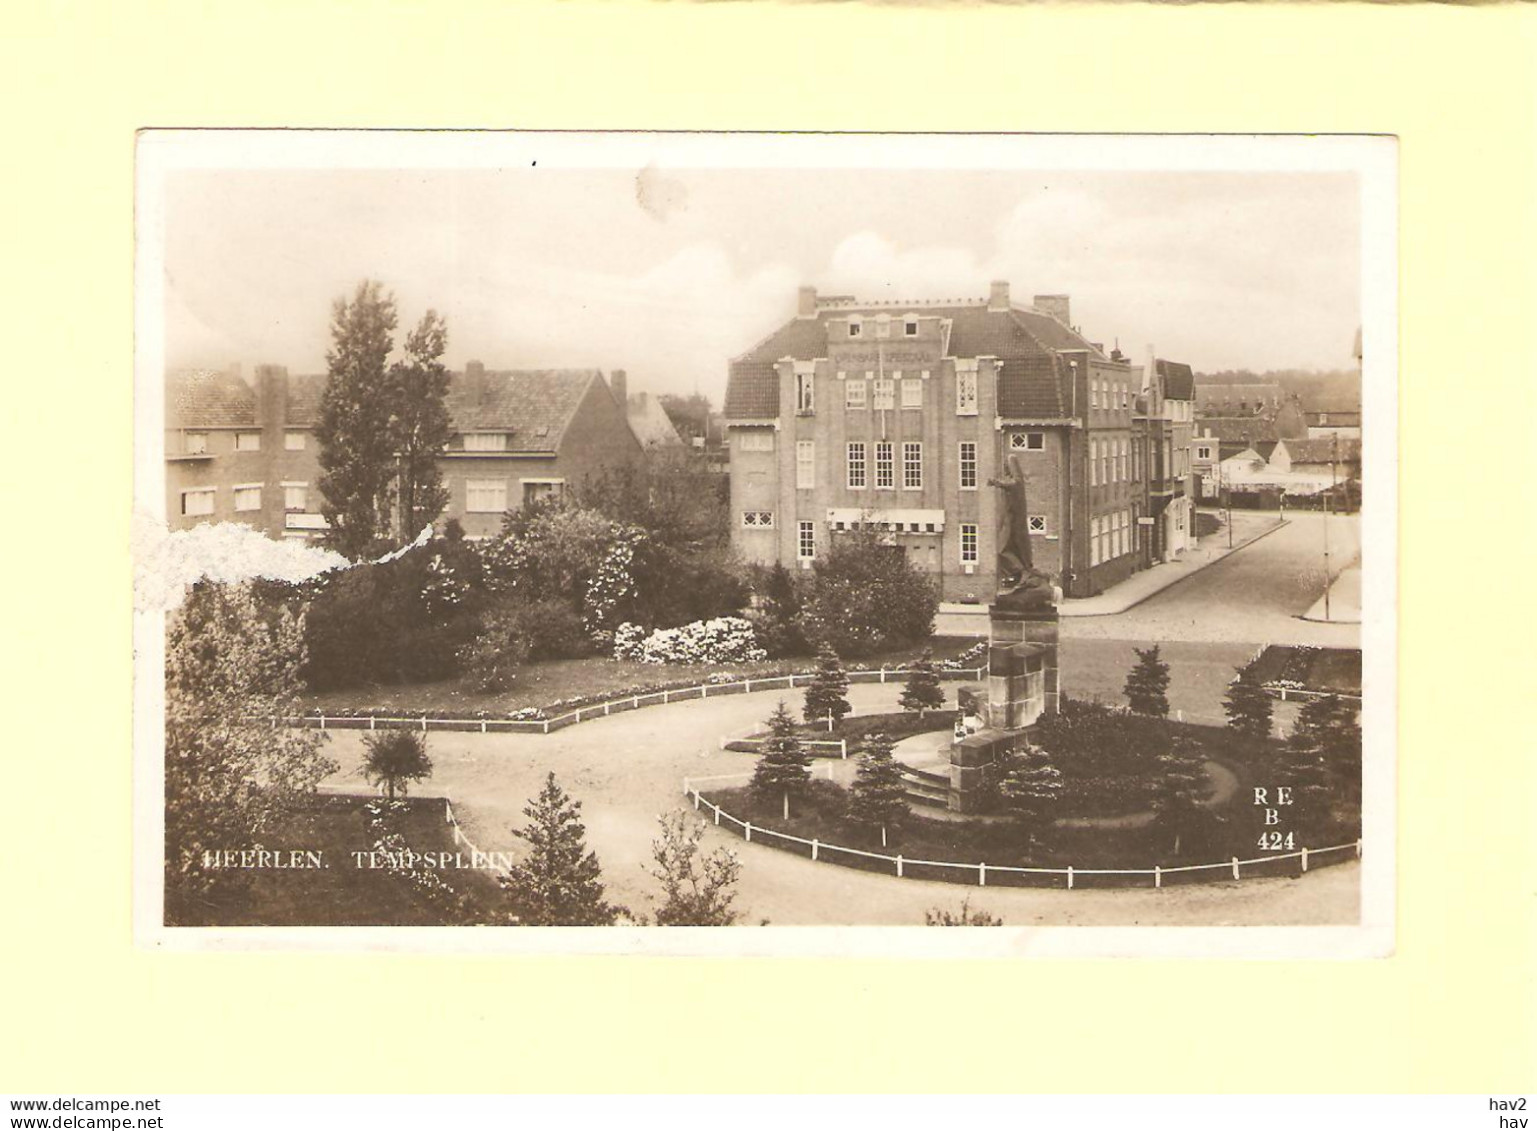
[669, 272]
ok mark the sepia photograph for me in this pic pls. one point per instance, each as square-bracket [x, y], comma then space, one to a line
[744, 531]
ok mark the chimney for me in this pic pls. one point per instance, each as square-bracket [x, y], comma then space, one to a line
[1054, 305]
[620, 384]
[806, 303]
[474, 381]
[998, 295]
[272, 404]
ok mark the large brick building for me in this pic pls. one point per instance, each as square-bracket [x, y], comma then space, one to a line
[897, 414]
[242, 453]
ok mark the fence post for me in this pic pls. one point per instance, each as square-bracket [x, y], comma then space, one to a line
[717, 812]
[899, 864]
[1157, 876]
[1235, 868]
[747, 829]
[546, 726]
[1069, 877]
[482, 726]
[371, 721]
[696, 801]
[322, 721]
[1304, 858]
[635, 702]
[704, 691]
[666, 697]
[814, 847]
[843, 748]
[1358, 848]
[982, 875]
[749, 687]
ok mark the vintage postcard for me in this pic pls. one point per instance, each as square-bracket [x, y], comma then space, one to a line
[858, 534]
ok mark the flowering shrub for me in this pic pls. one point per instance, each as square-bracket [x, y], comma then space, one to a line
[967, 660]
[387, 841]
[443, 589]
[723, 640]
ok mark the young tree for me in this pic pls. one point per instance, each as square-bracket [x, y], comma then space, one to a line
[783, 767]
[878, 797]
[1304, 767]
[1331, 725]
[1248, 709]
[1030, 788]
[827, 694]
[558, 883]
[421, 429]
[394, 758]
[697, 888]
[922, 691]
[865, 596]
[357, 457]
[777, 620]
[231, 667]
[1178, 786]
[1147, 685]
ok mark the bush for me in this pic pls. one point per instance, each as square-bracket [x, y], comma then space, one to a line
[865, 597]
[724, 640]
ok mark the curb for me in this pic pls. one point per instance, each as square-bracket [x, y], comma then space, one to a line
[1187, 576]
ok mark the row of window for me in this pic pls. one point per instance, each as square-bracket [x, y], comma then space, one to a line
[885, 465]
[912, 461]
[489, 496]
[196, 443]
[879, 393]
[806, 537]
[1110, 536]
[1109, 461]
[883, 326]
[1109, 395]
[200, 501]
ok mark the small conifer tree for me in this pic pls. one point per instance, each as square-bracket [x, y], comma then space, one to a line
[1248, 709]
[1147, 685]
[1030, 788]
[922, 691]
[558, 883]
[1178, 787]
[878, 795]
[784, 768]
[827, 694]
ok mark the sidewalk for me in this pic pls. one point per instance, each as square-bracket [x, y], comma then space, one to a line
[1344, 599]
[1247, 529]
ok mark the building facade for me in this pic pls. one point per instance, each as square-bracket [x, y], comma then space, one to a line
[237, 452]
[897, 415]
[1164, 465]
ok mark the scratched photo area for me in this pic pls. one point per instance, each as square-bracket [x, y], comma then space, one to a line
[661, 545]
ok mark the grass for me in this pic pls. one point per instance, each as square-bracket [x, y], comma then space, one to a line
[342, 893]
[1316, 669]
[552, 681]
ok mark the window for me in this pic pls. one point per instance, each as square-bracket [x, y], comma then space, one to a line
[912, 392]
[805, 464]
[1125, 396]
[295, 496]
[885, 393]
[759, 519]
[856, 465]
[1093, 463]
[198, 501]
[968, 465]
[485, 441]
[856, 394]
[1125, 460]
[968, 543]
[966, 392]
[1104, 462]
[885, 471]
[1094, 542]
[536, 491]
[196, 443]
[912, 466]
[248, 497]
[1037, 524]
[1027, 441]
[806, 541]
[855, 329]
[805, 394]
[756, 442]
[248, 441]
[485, 496]
[293, 441]
[910, 327]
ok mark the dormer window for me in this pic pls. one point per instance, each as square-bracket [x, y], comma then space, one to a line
[485, 441]
[856, 328]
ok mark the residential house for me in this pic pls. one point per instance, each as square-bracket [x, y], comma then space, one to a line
[243, 453]
[898, 415]
[1164, 419]
[1334, 422]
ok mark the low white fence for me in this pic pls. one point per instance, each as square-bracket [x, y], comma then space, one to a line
[979, 873]
[462, 838]
[356, 721]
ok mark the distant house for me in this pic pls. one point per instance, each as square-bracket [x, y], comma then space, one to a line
[1327, 455]
[1334, 423]
[242, 453]
[653, 428]
[1250, 399]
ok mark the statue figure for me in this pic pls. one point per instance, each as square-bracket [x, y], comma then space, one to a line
[1020, 585]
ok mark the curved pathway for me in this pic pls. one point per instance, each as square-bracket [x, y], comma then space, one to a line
[628, 769]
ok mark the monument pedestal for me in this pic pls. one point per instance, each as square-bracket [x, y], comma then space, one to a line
[1023, 683]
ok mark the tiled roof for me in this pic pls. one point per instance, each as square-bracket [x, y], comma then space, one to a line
[1322, 449]
[208, 398]
[304, 399]
[1249, 429]
[534, 406]
[1215, 398]
[1032, 386]
[650, 422]
[1178, 380]
[1267, 448]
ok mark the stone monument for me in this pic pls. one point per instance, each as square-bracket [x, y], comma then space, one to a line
[1022, 677]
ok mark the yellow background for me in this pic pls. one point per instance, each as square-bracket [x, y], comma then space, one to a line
[1453, 1010]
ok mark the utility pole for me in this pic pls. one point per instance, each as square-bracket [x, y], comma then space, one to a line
[1328, 579]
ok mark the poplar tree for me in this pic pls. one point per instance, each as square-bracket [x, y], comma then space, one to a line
[558, 883]
[878, 797]
[784, 768]
[355, 428]
[1147, 685]
[922, 691]
[827, 694]
[420, 425]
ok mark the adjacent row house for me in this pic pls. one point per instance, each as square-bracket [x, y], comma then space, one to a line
[246, 452]
[896, 416]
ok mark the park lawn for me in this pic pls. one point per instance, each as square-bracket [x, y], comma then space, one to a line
[590, 678]
[343, 894]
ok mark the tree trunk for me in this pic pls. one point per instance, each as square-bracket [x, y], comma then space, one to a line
[883, 836]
